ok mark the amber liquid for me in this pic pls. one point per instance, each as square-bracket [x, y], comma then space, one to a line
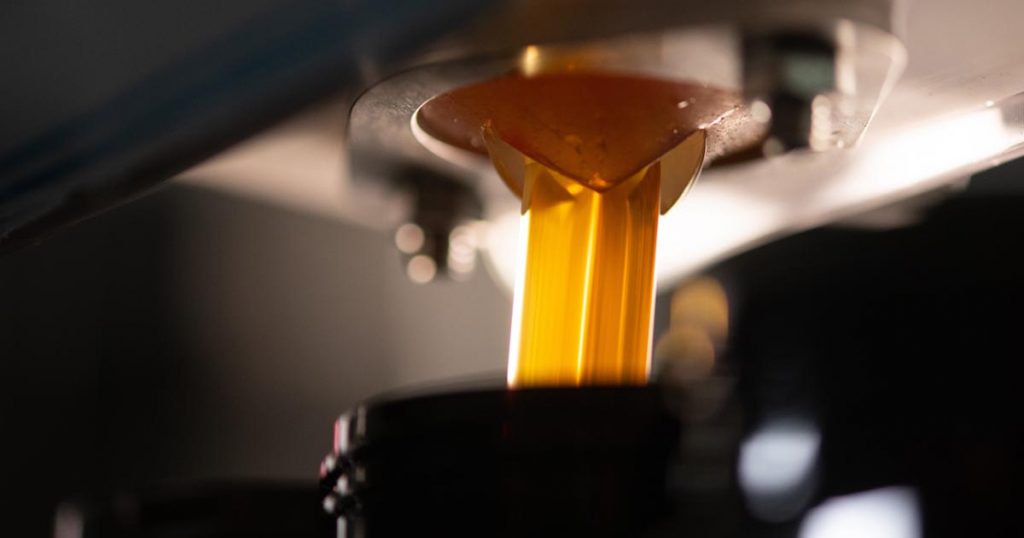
[585, 289]
[591, 157]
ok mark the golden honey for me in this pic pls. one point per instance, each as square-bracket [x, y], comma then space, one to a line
[585, 291]
[595, 159]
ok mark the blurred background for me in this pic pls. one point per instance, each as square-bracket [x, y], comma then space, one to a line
[194, 336]
[210, 328]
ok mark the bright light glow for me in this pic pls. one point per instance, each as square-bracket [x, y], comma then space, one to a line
[881, 513]
[778, 456]
[500, 246]
[777, 466]
[530, 61]
[409, 238]
[918, 158]
[710, 219]
[421, 269]
[342, 486]
[341, 433]
[761, 112]
[517, 300]
[734, 208]
[595, 211]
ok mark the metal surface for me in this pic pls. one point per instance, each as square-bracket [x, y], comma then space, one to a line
[249, 77]
[933, 129]
[383, 131]
[817, 97]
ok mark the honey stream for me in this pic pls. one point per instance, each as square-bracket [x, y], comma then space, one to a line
[595, 159]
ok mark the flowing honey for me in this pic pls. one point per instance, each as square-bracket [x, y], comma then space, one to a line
[595, 159]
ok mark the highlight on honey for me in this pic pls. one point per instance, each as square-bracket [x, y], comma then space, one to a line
[595, 159]
[585, 287]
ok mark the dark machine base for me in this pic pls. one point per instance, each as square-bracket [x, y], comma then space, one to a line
[534, 462]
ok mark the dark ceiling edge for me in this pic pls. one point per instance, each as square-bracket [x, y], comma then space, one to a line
[249, 79]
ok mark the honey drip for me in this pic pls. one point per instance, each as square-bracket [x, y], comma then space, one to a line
[585, 287]
[595, 160]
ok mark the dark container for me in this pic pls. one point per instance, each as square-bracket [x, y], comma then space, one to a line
[494, 463]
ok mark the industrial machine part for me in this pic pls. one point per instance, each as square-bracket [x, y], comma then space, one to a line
[952, 113]
[538, 462]
[255, 509]
[803, 75]
[619, 119]
[811, 75]
[866, 390]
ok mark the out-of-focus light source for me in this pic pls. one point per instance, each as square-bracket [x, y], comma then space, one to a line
[686, 352]
[777, 467]
[703, 302]
[761, 112]
[530, 61]
[882, 513]
[462, 245]
[699, 325]
[68, 522]
[421, 269]
[409, 238]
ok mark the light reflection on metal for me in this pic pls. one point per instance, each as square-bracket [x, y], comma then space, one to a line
[735, 208]
[778, 467]
[881, 513]
[341, 434]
